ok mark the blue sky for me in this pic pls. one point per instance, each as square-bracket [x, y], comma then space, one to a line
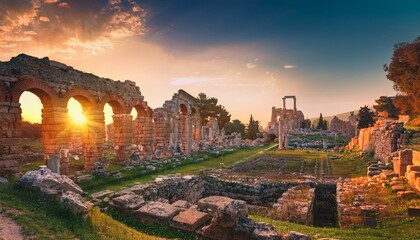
[246, 53]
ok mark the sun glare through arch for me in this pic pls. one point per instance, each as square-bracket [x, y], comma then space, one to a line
[75, 112]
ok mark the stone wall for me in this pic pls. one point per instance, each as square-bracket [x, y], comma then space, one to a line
[383, 140]
[296, 205]
[344, 128]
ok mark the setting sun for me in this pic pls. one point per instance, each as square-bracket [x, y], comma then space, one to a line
[75, 111]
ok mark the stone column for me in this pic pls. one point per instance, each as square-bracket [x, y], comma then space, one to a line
[144, 134]
[10, 138]
[160, 131]
[94, 137]
[55, 134]
[123, 135]
[281, 139]
[294, 105]
[284, 103]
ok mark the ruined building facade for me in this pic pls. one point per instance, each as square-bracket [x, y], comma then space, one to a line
[284, 120]
[344, 128]
[175, 124]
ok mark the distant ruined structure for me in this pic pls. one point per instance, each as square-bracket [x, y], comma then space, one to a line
[344, 128]
[174, 127]
[177, 125]
[284, 120]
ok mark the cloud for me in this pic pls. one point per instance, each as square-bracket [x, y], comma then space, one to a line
[67, 26]
[44, 19]
[192, 80]
[289, 66]
[250, 65]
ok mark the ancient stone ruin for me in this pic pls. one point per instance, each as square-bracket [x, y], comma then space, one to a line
[172, 129]
[344, 128]
[284, 120]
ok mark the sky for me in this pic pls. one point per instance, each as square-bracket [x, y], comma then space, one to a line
[246, 53]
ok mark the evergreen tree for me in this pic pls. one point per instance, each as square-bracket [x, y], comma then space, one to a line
[210, 108]
[252, 129]
[365, 117]
[322, 124]
[385, 104]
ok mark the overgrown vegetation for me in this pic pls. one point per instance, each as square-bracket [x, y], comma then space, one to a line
[350, 164]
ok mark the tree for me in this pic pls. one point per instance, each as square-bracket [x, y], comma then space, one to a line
[322, 124]
[209, 108]
[404, 71]
[365, 117]
[404, 104]
[252, 129]
[235, 126]
[222, 115]
[385, 104]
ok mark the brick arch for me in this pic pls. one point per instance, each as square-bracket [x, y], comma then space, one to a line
[83, 96]
[46, 94]
[117, 103]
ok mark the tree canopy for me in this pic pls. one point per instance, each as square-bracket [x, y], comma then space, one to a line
[235, 126]
[252, 129]
[404, 71]
[210, 108]
[322, 124]
[365, 117]
[385, 104]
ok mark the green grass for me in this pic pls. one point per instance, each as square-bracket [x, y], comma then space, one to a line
[42, 217]
[131, 177]
[350, 165]
[387, 229]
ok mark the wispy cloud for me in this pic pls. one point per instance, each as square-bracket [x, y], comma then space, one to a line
[67, 26]
[289, 66]
[250, 65]
[193, 80]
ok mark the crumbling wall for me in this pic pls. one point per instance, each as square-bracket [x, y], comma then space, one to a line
[383, 140]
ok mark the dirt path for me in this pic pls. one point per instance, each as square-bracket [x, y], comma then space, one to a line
[9, 230]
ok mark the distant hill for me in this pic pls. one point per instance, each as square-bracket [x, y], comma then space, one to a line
[342, 116]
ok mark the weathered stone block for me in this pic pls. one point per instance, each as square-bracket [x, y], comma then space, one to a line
[406, 156]
[190, 220]
[157, 212]
[413, 211]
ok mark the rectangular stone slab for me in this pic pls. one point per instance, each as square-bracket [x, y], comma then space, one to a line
[190, 220]
[157, 212]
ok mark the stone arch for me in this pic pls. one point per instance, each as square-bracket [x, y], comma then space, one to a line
[83, 96]
[116, 102]
[183, 109]
[46, 94]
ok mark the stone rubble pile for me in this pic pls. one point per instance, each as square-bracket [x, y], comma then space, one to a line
[58, 185]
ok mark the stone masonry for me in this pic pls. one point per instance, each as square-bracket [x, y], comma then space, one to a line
[55, 83]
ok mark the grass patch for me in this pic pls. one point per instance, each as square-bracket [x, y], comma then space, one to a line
[387, 229]
[42, 217]
[132, 177]
[350, 164]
